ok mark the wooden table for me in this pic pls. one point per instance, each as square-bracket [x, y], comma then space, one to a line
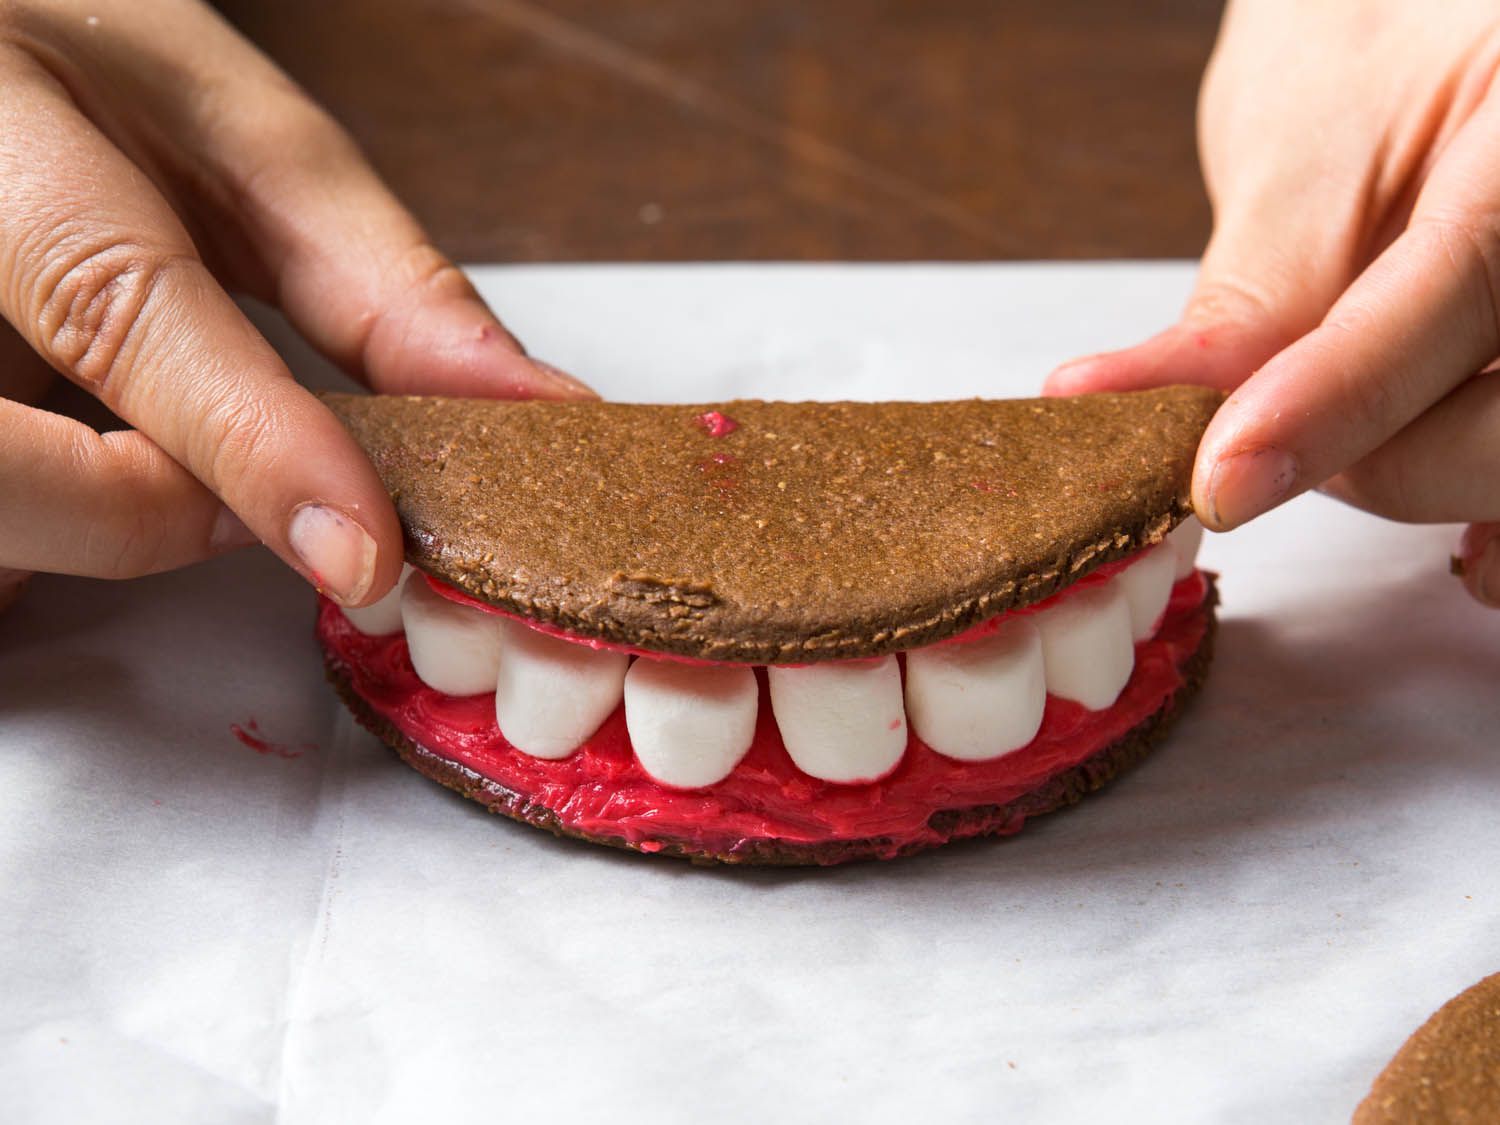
[598, 130]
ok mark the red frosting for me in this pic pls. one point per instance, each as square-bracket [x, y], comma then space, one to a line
[716, 424]
[252, 736]
[602, 791]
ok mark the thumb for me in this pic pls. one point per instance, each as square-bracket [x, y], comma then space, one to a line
[1477, 563]
[1265, 280]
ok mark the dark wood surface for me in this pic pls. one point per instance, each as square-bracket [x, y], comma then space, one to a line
[598, 130]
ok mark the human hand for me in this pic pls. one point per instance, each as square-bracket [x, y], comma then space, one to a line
[1351, 288]
[153, 161]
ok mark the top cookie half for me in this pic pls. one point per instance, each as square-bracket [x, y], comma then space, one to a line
[775, 532]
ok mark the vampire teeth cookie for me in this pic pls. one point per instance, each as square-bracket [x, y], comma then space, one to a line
[826, 631]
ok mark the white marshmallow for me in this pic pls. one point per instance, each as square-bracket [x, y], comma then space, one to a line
[1086, 645]
[551, 694]
[1185, 538]
[980, 699]
[1147, 583]
[382, 618]
[690, 724]
[455, 649]
[841, 721]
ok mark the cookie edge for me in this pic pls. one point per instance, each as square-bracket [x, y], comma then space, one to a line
[970, 822]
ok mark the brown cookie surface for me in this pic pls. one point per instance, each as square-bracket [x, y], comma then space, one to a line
[769, 532]
[1448, 1072]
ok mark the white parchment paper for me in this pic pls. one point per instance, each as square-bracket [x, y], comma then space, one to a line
[1243, 929]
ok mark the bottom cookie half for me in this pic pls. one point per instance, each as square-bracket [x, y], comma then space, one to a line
[768, 812]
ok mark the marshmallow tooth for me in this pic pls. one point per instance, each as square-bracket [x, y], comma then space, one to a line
[382, 618]
[551, 695]
[843, 721]
[689, 724]
[1086, 645]
[454, 649]
[1184, 539]
[1147, 583]
[980, 699]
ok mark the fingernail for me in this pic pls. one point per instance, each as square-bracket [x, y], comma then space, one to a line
[336, 551]
[1482, 573]
[1248, 484]
[567, 384]
[229, 533]
[1066, 378]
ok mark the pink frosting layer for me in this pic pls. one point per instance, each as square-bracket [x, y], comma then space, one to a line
[601, 789]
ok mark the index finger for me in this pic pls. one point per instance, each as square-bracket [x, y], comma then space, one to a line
[1417, 323]
[273, 184]
[99, 276]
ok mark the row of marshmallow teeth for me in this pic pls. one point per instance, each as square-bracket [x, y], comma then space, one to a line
[845, 721]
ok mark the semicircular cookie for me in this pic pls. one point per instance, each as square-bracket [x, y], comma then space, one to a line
[770, 532]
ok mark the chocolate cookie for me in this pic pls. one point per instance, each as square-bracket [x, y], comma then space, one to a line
[780, 633]
[768, 532]
[1448, 1072]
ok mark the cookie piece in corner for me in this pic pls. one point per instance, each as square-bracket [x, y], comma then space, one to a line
[1448, 1072]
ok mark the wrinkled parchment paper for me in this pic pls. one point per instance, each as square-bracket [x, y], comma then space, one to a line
[287, 925]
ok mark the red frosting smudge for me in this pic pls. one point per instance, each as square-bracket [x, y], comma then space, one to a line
[724, 485]
[602, 790]
[992, 486]
[251, 735]
[716, 459]
[716, 424]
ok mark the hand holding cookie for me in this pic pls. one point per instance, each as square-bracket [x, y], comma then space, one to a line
[154, 162]
[1351, 289]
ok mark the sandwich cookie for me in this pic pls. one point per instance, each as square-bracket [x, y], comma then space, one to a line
[825, 632]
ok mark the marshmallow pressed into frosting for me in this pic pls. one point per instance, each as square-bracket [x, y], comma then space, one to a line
[454, 648]
[382, 618]
[1184, 539]
[841, 722]
[1147, 583]
[551, 695]
[690, 724]
[1086, 645]
[978, 699]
